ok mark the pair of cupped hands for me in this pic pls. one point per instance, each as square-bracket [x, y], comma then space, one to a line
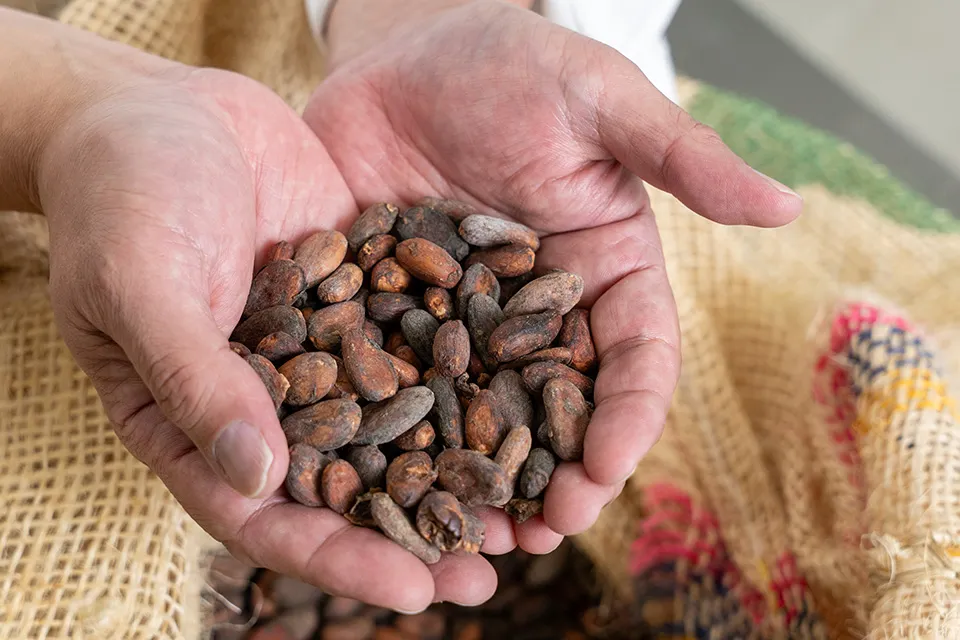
[167, 184]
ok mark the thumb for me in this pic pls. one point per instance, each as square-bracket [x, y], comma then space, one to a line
[200, 385]
[659, 142]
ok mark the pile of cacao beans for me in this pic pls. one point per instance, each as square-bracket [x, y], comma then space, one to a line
[420, 368]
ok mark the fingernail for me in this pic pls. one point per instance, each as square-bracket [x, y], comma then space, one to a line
[782, 188]
[411, 612]
[244, 456]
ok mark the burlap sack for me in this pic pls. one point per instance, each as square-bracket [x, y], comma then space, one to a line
[806, 485]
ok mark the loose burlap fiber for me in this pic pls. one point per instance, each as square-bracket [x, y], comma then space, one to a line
[807, 482]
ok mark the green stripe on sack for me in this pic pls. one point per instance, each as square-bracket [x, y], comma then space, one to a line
[797, 154]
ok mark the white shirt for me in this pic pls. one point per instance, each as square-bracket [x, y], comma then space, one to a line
[635, 28]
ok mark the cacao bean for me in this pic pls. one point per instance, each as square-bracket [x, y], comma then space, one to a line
[239, 349]
[341, 285]
[395, 525]
[271, 320]
[536, 472]
[476, 280]
[439, 303]
[449, 525]
[394, 340]
[451, 349]
[567, 418]
[472, 477]
[311, 377]
[374, 250]
[522, 509]
[340, 486]
[279, 347]
[361, 513]
[342, 388]
[521, 335]
[453, 209]
[327, 325]
[537, 374]
[303, 474]
[514, 451]
[558, 291]
[409, 477]
[368, 367]
[320, 255]
[407, 374]
[283, 250]
[483, 318]
[405, 353]
[278, 283]
[390, 307]
[275, 383]
[423, 222]
[419, 437]
[375, 220]
[508, 261]
[487, 231]
[325, 426]
[369, 463]
[420, 329]
[390, 277]
[449, 415]
[384, 421]
[373, 332]
[575, 335]
[429, 262]
[484, 429]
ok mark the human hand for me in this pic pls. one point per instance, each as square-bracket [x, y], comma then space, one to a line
[163, 185]
[494, 105]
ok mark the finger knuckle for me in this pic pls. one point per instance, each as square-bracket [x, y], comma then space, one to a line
[183, 389]
[692, 136]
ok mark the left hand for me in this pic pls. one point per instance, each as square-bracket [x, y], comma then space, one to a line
[496, 106]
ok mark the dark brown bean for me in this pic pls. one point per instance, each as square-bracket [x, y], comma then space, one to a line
[395, 525]
[283, 250]
[514, 451]
[422, 222]
[389, 276]
[361, 513]
[374, 250]
[390, 307]
[451, 349]
[306, 312]
[279, 347]
[537, 374]
[508, 261]
[325, 426]
[476, 367]
[420, 329]
[575, 335]
[453, 209]
[409, 477]
[373, 332]
[341, 285]
[472, 477]
[447, 412]
[561, 355]
[240, 349]
[395, 340]
[439, 303]
[484, 429]
[375, 220]
[487, 231]
[514, 402]
[320, 255]
[558, 291]
[369, 463]
[275, 383]
[327, 325]
[311, 377]
[303, 474]
[510, 286]
[536, 473]
[521, 335]
[340, 486]
[483, 318]
[361, 297]
[417, 438]
[449, 525]
[477, 279]
[405, 353]
[407, 374]
[261, 324]
[384, 421]
[522, 509]
[342, 388]
[429, 262]
[567, 418]
[368, 367]
[278, 283]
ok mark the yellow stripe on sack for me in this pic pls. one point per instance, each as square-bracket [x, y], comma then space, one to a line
[902, 391]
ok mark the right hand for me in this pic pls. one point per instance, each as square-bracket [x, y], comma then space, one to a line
[164, 185]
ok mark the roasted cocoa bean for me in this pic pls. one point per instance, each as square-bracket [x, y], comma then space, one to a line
[374, 250]
[518, 336]
[510, 286]
[420, 329]
[368, 367]
[320, 255]
[342, 388]
[261, 324]
[423, 222]
[409, 477]
[575, 335]
[390, 307]
[522, 509]
[278, 283]
[439, 303]
[388, 276]
[419, 437]
[514, 451]
[476, 280]
[537, 374]
[311, 377]
[487, 231]
[369, 463]
[567, 418]
[327, 325]
[453, 209]
[407, 374]
[279, 347]
[508, 261]
[303, 474]
[405, 353]
[361, 513]
[483, 318]
[560, 355]
[429, 262]
[514, 402]
[395, 339]
[283, 250]
[324, 426]
[558, 291]
[472, 477]
[393, 522]
[341, 285]
[361, 297]
[240, 349]
[375, 220]
[449, 525]
[373, 332]
[536, 472]
[451, 349]
[384, 421]
[447, 412]
[340, 485]
[275, 383]
[484, 429]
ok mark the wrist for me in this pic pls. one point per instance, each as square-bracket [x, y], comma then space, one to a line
[355, 26]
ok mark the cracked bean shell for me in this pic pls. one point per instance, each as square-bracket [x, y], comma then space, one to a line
[472, 477]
